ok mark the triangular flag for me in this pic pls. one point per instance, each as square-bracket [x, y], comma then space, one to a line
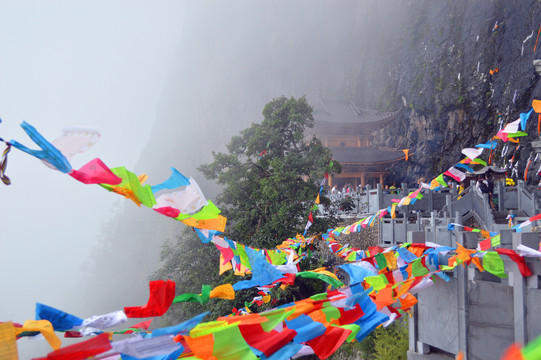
[440, 180]
[523, 118]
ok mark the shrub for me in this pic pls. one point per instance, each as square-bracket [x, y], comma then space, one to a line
[391, 343]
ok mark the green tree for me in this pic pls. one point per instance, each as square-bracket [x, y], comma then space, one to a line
[271, 175]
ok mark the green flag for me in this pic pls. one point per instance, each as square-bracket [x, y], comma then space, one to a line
[493, 263]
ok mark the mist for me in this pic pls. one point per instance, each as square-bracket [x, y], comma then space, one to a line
[64, 63]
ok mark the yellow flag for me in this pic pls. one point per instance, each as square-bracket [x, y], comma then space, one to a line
[224, 267]
[317, 199]
[391, 260]
[44, 327]
[224, 291]
[8, 345]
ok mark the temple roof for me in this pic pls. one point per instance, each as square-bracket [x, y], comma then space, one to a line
[366, 155]
[339, 116]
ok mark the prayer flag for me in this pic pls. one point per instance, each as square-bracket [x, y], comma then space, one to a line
[493, 263]
[48, 153]
[406, 153]
[83, 350]
[472, 153]
[95, 172]
[519, 260]
[524, 118]
[60, 320]
[456, 174]
[8, 345]
[160, 299]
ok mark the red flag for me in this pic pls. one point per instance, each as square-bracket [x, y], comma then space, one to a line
[161, 297]
[168, 211]
[72, 334]
[485, 244]
[91, 347]
[142, 325]
[311, 218]
[375, 250]
[326, 344]
[266, 342]
[522, 267]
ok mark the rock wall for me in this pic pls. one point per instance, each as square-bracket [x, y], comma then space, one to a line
[437, 62]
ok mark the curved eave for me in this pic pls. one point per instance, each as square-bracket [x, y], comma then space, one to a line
[352, 128]
[372, 163]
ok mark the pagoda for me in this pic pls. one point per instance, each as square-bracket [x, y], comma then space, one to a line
[346, 129]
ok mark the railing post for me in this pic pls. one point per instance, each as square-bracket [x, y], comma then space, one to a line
[486, 210]
[500, 189]
[458, 220]
[462, 301]
[520, 185]
[430, 200]
[380, 196]
[519, 289]
[368, 197]
[406, 227]
[433, 225]
[393, 224]
[449, 204]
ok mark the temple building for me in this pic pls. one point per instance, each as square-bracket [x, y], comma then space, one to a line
[346, 129]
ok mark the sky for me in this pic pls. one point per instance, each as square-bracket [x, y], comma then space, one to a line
[63, 64]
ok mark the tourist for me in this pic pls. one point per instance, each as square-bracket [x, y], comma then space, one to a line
[461, 188]
[490, 190]
[482, 184]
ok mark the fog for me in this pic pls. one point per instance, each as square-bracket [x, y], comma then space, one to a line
[62, 64]
[166, 83]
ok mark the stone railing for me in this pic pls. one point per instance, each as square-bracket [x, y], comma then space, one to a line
[476, 312]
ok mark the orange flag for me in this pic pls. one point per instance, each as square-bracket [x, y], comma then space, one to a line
[209, 224]
[406, 152]
[536, 104]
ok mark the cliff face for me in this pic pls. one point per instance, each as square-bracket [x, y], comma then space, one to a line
[438, 62]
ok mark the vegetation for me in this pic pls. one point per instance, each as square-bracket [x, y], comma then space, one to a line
[390, 343]
[271, 175]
